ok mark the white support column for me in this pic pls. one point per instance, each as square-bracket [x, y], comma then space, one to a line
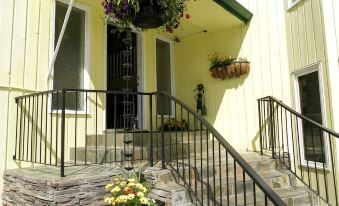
[331, 24]
[56, 50]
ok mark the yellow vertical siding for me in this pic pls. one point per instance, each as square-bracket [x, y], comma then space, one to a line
[308, 43]
[231, 104]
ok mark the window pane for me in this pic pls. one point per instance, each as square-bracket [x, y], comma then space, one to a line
[311, 107]
[69, 65]
[163, 59]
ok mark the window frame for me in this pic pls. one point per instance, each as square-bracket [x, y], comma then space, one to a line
[316, 67]
[87, 62]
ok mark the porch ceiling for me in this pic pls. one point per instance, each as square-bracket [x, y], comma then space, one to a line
[210, 16]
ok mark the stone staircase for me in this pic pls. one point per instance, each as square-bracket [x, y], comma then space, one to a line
[170, 186]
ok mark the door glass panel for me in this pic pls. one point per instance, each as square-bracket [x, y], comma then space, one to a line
[163, 59]
[70, 62]
[115, 73]
[310, 105]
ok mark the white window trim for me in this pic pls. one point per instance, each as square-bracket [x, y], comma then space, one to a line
[170, 41]
[316, 67]
[291, 4]
[86, 9]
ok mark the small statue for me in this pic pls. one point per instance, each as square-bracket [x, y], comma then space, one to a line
[201, 108]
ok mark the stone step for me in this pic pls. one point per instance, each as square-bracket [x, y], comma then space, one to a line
[205, 170]
[100, 155]
[172, 194]
[144, 137]
[292, 196]
[274, 179]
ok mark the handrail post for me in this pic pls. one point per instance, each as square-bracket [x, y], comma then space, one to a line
[151, 128]
[162, 134]
[271, 127]
[260, 128]
[63, 116]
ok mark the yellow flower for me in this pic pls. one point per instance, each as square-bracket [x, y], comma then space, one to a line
[121, 199]
[122, 184]
[131, 180]
[139, 186]
[131, 184]
[109, 186]
[115, 189]
[144, 200]
[109, 200]
[140, 194]
[130, 196]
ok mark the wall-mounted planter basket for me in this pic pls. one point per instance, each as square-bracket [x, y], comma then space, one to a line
[235, 69]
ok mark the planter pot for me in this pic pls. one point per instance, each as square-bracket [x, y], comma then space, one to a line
[149, 15]
[232, 70]
[213, 73]
[220, 72]
[225, 72]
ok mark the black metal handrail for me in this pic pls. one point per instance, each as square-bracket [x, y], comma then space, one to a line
[303, 146]
[222, 144]
[62, 128]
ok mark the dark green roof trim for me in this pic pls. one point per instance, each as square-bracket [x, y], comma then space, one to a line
[236, 9]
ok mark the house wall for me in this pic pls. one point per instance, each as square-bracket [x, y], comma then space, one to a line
[25, 28]
[312, 36]
[232, 103]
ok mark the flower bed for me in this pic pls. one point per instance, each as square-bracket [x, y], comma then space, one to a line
[128, 192]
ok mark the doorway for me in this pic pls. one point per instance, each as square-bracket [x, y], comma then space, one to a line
[164, 74]
[115, 82]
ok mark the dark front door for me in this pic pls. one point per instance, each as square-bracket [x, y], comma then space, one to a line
[115, 73]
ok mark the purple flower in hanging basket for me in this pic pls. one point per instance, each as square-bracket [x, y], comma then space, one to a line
[109, 8]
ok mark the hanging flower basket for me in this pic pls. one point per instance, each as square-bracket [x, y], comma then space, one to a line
[145, 14]
[232, 70]
[224, 68]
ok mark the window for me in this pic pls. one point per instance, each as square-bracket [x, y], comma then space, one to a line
[309, 102]
[70, 64]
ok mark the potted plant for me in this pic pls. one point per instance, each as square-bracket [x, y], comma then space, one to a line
[173, 124]
[216, 63]
[145, 14]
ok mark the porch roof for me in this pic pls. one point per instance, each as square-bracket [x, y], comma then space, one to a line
[210, 16]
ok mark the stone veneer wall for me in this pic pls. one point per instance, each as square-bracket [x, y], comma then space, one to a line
[43, 186]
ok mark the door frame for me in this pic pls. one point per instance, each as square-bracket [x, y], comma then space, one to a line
[170, 41]
[315, 67]
[140, 36]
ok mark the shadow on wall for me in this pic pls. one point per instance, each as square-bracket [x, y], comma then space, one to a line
[223, 97]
